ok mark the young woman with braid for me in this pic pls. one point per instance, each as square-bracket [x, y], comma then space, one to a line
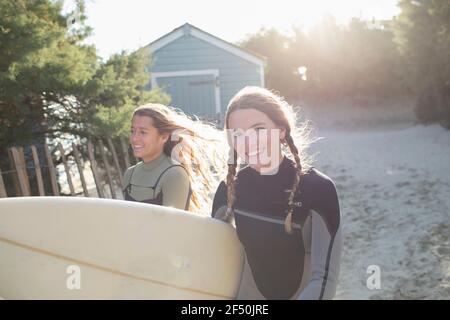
[175, 170]
[285, 213]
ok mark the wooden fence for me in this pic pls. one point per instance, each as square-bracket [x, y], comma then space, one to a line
[108, 161]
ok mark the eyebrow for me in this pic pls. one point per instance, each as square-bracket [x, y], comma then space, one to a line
[141, 128]
[258, 124]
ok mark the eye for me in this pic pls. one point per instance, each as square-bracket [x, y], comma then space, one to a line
[237, 133]
[259, 129]
[253, 132]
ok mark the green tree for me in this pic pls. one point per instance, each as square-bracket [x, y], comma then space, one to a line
[41, 64]
[115, 90]
[54, 86]
[340, 61]
[51, 83]
[280, 71]
[422, 33]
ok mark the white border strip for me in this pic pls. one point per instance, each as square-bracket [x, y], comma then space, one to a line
[165, 40]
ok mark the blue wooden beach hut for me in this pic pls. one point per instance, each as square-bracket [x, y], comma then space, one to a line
[202, 72]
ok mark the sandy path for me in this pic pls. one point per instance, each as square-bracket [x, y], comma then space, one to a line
[394, 190]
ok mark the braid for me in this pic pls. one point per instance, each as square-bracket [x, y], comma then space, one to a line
[231, 196]
[294, 151]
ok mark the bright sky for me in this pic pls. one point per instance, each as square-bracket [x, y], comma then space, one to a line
[128, 24]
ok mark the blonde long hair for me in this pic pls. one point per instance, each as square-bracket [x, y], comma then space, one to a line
[297, 138]
[199, 148]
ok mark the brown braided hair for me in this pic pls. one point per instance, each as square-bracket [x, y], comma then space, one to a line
[231, 176]
[283, 115]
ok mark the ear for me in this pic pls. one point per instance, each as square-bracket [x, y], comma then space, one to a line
[165, 137]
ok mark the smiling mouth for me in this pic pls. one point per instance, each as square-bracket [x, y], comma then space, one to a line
[255, 153]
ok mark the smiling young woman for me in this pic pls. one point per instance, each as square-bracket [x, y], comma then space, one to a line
[175, 170]
[286, 214]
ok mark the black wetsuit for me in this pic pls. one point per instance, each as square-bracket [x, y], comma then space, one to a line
[301, 265]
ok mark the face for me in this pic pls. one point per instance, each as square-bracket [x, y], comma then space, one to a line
[256, 138]
[146, 141]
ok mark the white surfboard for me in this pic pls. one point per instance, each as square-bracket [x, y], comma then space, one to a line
[87, 248]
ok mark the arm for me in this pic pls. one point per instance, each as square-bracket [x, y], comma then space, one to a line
[176, 188]
[326, 244]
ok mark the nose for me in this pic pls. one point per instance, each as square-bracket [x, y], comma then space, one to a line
[252, 142]
[134, 138]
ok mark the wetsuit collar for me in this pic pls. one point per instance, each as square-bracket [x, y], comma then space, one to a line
[154, 163]
[275, 170]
